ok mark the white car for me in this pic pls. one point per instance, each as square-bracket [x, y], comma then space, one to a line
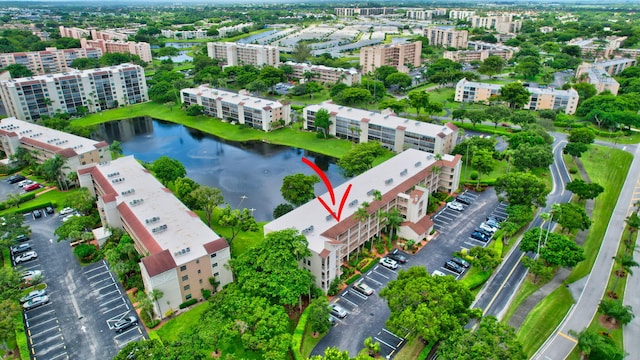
[70, 216]
[66, 211]
[487, 227]
[29, 255]
[24, 183]
[35, 302]
[388, 263]
[455, 206]
[32, 295]
[29, 275]
[438, 273]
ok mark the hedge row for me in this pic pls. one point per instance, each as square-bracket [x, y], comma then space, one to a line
[476, 280]
[352, 279]
[298, 333]
[373, 263]
[24, 198]
[188, 303]
[21, 338]
[27, 209]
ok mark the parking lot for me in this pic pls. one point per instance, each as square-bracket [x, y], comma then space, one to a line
[84, 302]
[367, 314]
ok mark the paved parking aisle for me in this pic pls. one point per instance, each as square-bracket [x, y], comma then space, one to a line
[44, 335]
[390, 343]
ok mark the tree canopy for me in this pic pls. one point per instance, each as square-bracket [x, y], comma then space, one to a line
[522, 188]
[167, 169]
[514, 94]
[298, 189]
[360, 158]
[584, 190]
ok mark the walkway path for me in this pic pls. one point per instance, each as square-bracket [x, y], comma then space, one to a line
[631, 332]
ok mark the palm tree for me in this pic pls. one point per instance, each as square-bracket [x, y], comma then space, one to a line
[116, 149]
[154, 296]
[394, 219]
[362, 215]
[626, 262]
[377, 196]
[633, 222]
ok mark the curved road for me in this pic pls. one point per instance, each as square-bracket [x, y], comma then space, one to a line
[560, 344]
[501, 287]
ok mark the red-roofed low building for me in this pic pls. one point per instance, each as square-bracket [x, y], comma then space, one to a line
[180, 252]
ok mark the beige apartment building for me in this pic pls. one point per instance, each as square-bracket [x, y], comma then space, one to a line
[50, 60]
[45, 143]
[394, 133]
[74, 32]
[107, 35]
[421, 14]
[405, 182]
[233, 54]
[257, 113]
[479, 55]
[402, 56]
[142, 49]
[503, 24]
[461, 14]
[446, 36]
[325, 74]
[541, 98]
[96, 89]
[180, 252]
[356, 11]
[600, 74]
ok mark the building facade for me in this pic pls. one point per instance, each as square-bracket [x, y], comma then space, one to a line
[184, 34]
[257, 113]
[95, 89]
[107, 35]
[501, 23]
[180, 252]
[541, 99]
[479, 55]
[394, 133]
[142, 49]
[324, 74]
[74, 32]
[44, 143]
[401, 56]
[421, 14]
[446, 36]
[598, 77]
[404, 181]
[233, 54]
[346, 12]
[48, 61]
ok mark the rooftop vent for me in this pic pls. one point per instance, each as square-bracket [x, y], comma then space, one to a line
[418, 163]
[135, 202]
[329, 217]
[152, 220]
[353, 203]
[404, 172]
[388, 181]
[159, 229]
[307, 230]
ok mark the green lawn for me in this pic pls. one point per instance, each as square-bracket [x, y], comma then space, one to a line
[611, 177]
[410, 350]
[171, 330]
[55, 197]
[540, 322]
[308, 342]
[524, 291]
[287, 136]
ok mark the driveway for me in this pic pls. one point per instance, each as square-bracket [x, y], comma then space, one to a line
[77, 322]
[367, 315]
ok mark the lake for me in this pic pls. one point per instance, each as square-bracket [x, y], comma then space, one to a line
[249, 174]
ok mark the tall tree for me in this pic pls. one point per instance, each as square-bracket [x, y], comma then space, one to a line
[419, 100]
[572, 216]
[426, 306]
[298, 189]
[301, 52]
[237, 220]
[207, 199]
[584, 190]
[483, 162]
[116, 149]
[491, 66]
[322, 121]
[319, 312]
[271, 76]
[616, 311]
[522, 189]
[167, 169]
[597, 346]
[514, 94]
[360, 158]
[183, 189]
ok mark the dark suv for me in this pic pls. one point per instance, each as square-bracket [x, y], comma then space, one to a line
[460, 262]
[397, 256]
[15, 178]
[450, 265]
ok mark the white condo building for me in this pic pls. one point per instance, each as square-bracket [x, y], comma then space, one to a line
[233, 54]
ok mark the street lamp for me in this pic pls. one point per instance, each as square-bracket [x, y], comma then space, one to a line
[242, 199]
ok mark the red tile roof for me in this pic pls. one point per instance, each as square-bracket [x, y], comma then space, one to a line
[67, 153]
[140, 232]
[158, 263]
[421, 227]
[451, 126]
[324, 253]
[215, 245]
[86, 170]
[101, 144]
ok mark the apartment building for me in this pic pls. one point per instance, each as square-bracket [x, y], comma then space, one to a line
[405, 182]
[481, 45]
[461, 14]
[394, 133]
[477, 55]
[50, 60]
[421, 14]
[597, 77]
[263, 114]
[180, 252]
[503, 24]
[325, 74]
[96, 89]
[227, 30]
[603, 48]
[347, 12]
[74, 32]
[45, 143]
[142, 49]
[614, 67]
[107, 35]
[233, 54]
[446, 36]
[184, 34]
[402, 56]
[541, 98]
[546, 29]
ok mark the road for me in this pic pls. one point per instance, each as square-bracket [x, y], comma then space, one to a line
[559, 345]
[502, 286]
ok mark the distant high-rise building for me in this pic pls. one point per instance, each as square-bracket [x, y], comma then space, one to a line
[74, 32]
[446, 36]
[233, 54]
[48, 61]
[401, 56]
[142, 49]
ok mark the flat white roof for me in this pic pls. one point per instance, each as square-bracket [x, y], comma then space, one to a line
[383, 178]
[321, 67]
[387, 121]
[151, 201]
[233, 98]
[49, 77]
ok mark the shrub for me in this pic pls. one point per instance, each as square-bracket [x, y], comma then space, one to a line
[573, 170]
[353, 279]
[206, 294]
[379, 246]
[334, 287]
[474, 175]
[296, 339]
[389, 244]
[476, 280]
[364, 263]
[373, 263]
[169, 313]
[346, 272]
[440, 196]
[188, 303]
[86, 252]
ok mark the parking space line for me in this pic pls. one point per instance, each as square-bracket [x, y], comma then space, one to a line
[383, 275]
[392, 334]
[26, 316]
[34, 266]
[106, 286]
[41, 323]
[370, 279]
[109, 293]
[110, 301]
[51, 339]
[389, 345]
[126, 332]
[363, 297]
[93, 284]
[446, 217]
[45, 331]
[48, 349]
[350, 302]
[129, 341]
[41, 306]
[115, 308]
[96, 275]
[58, 356]
[95, 268]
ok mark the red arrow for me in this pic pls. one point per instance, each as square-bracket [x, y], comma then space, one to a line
[327, 183]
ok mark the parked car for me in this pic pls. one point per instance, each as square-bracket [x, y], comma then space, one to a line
[493, 222]
[67, 211]
[363, 288]
[332, 320]
[15, 178]
[487, 227]
[388, 263]
[438, 273]
[25, 182]
[338, 311]
[19, 249]
[49, 210]
[397, 256]
[463, 200]
[450, 265]
[29, 275]
[480, 236]
[29, 255]
[487, 233]
[32, 295]
[35, 302]
[34, 186]
[37, 213]
[22, 238]
[453, 205]
[70, 216]
[125, 323]
[460, 261]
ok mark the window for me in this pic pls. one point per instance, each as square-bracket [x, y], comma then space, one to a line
[198, 261]
[214, 265]
[187, 287]
[183, 267]
[216, 274]
[199, 271]
[188, 296]
[185, 278]
[200, 281]
[213, 255]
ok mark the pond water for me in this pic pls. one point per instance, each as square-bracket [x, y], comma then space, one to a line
[182, 57]
[252, 38]
[249, 174]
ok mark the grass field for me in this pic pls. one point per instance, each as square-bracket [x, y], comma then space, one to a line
[539, 325]
[170, 331]
[411, 350]
[526, 289]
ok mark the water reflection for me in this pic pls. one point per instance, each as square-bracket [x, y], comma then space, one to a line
[252, 169]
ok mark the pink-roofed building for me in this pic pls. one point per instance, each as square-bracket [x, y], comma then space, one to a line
[181, 253]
